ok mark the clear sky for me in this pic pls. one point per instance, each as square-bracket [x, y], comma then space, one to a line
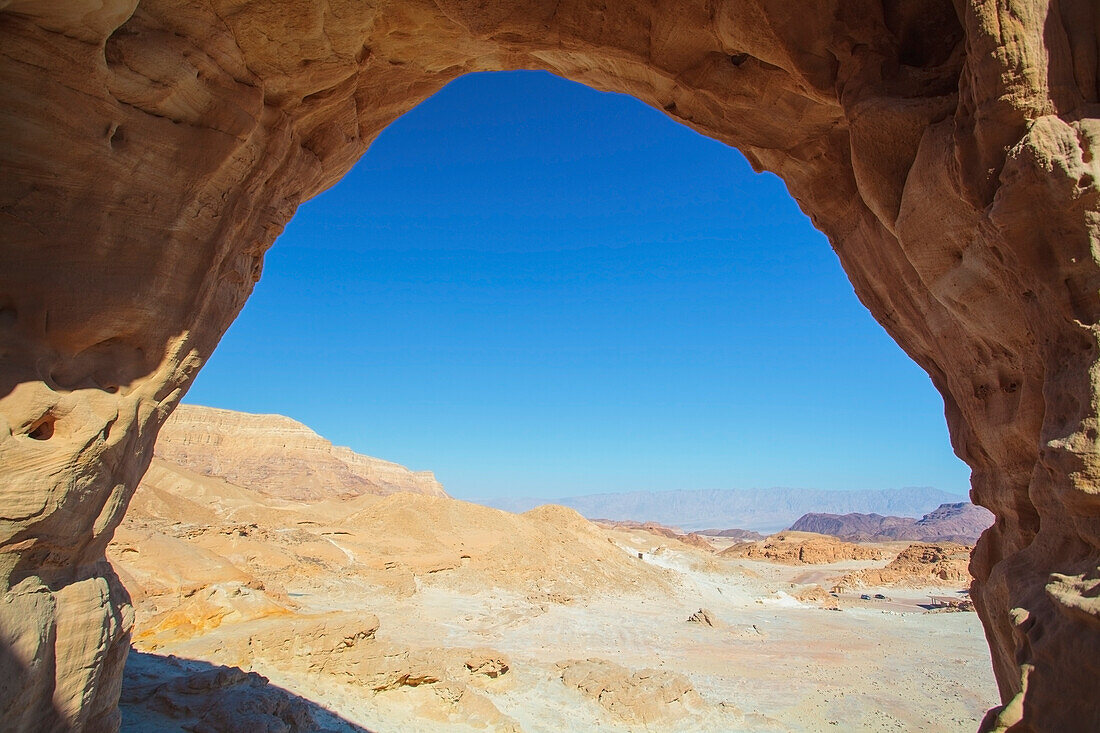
[533, 288]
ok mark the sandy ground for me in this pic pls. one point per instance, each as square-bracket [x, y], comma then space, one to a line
[772, 663]
[268, 599]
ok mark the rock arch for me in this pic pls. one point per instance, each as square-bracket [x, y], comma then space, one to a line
[153, 150]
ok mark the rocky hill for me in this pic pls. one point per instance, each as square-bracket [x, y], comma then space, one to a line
[695, 539]
[196, 550]
[801, 548]
[960, 522]
[407, 612]
[918, 565]
[278, 457]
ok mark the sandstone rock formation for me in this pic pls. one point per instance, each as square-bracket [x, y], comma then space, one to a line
[647, 697]
[154, 149]
[277, 456]
[801, 548]
[962, 523]
[336, 648]
[918, 565]
[815, 594]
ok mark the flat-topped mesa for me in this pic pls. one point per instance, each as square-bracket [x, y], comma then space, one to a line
[280, 457]
[154, 149]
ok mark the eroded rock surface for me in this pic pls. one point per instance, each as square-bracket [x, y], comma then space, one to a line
[175, 693]
[918, 565]
[646, 697]
[801, 548]
[155, 149]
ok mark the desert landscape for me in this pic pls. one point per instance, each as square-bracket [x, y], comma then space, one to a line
[156, 149]
[323, 590]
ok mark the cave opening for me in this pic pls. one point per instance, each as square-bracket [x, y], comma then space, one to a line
[363, 284]
[606, 286]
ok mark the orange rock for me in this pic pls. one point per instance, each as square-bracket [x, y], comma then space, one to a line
[801, 548]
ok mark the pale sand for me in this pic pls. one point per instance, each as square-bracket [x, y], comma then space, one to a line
[777, 664]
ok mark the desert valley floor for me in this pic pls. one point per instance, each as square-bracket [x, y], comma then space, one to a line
[413, 611]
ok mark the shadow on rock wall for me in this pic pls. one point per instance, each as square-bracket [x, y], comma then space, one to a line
[15, 679]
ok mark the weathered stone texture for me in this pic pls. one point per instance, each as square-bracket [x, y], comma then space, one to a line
[153, 151]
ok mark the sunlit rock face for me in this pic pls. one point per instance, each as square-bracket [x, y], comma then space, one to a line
[279, 457]
[154, 150]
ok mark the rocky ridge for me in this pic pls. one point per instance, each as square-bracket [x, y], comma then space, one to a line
[279, 457]
[961, 523]
[917, 565]
[801, 548]
[219, 569]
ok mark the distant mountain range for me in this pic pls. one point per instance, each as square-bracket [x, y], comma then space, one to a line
[962, 522]
[762, 510]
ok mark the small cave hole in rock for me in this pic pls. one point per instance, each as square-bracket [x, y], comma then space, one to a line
[608, 337]
[42, 429]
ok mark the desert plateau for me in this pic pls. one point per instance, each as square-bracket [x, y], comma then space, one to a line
[305, 595]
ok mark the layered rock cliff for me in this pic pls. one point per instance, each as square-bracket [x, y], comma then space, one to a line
[154, 149]
[279, 457]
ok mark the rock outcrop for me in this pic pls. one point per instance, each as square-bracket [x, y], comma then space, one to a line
[917, 565]
[337, 648]
[801, 548]
[703, 617]
[174, 693]
[962, 523]
[647, 697]
[154, 149]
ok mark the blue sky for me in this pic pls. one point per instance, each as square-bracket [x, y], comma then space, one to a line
[533, 288]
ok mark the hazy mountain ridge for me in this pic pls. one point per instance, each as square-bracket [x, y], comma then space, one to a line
[765, 510]
[960, 522]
